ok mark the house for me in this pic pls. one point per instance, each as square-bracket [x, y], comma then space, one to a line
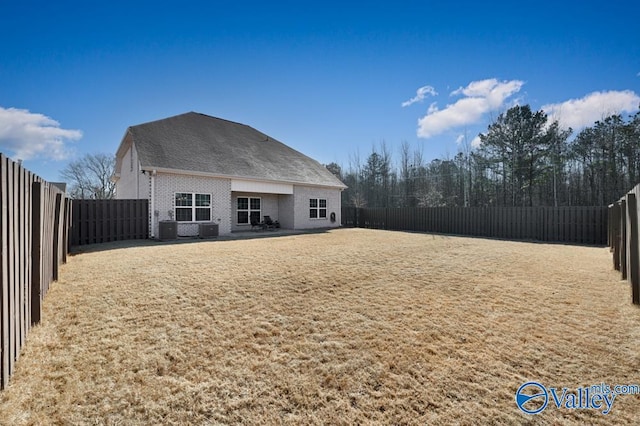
[194, 168]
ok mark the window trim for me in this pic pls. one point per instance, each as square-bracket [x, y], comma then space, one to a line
[318, 208]
[194, 207]
[249, 210]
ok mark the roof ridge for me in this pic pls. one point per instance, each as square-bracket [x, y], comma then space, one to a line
[196, 113]
[221, 119]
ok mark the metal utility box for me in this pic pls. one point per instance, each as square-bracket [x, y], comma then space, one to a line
[208, 230]
[167, 230]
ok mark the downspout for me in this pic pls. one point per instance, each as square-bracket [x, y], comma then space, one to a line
[153, 204]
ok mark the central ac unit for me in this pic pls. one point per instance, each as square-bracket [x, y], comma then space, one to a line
[208, 230]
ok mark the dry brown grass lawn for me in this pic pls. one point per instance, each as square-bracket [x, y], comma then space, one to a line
[350, 326]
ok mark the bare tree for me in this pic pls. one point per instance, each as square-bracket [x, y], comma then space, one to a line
[90, 176]
[354, 195]
[405, 174]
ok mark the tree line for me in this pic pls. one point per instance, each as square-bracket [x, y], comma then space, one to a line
[523, 159]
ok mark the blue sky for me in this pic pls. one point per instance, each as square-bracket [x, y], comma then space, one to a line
[330, 79]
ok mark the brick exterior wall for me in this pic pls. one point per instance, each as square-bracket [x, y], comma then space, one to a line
[167, 184]
[301, 196]
[292, 211]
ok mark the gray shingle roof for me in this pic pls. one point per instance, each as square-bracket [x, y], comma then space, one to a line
[201, 143]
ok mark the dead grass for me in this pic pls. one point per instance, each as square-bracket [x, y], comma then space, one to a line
[350, 326]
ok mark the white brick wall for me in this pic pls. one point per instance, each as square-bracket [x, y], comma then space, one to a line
[292, 211]
[132, 183]
[167, 184]
[302, 194]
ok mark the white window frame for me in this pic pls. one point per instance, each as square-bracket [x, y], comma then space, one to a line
[194, 207]
[318, 208]
[249, 210]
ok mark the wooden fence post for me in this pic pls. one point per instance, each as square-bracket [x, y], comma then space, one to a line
[11, 189]
[614, 224]
[36, 252]
[633, 263]
[623, 238]
[610, 226]
[4, 279]
[67, 225]
[75, 223]
[56, 235]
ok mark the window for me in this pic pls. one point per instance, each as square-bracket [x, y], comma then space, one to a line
[191, 207]
[248, 210]
[317, 208]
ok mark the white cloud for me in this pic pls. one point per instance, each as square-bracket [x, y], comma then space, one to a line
[476, 142]
[459, 139]
[583, 112]
[30, 135]
[476, 88]
[480, 98]
[421, 93]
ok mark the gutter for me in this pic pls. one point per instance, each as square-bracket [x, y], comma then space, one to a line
[340, 186]
[152, 204]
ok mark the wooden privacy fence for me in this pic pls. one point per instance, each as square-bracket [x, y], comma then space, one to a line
[623, 239]
[34, 229]
[574, 225]
[101, 221]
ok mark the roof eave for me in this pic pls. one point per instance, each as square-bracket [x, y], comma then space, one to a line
[250, 178]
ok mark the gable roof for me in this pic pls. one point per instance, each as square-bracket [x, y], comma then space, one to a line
[200, 143]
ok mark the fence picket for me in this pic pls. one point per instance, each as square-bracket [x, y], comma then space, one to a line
[5, 282]
[632, 248]
[12, 267]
